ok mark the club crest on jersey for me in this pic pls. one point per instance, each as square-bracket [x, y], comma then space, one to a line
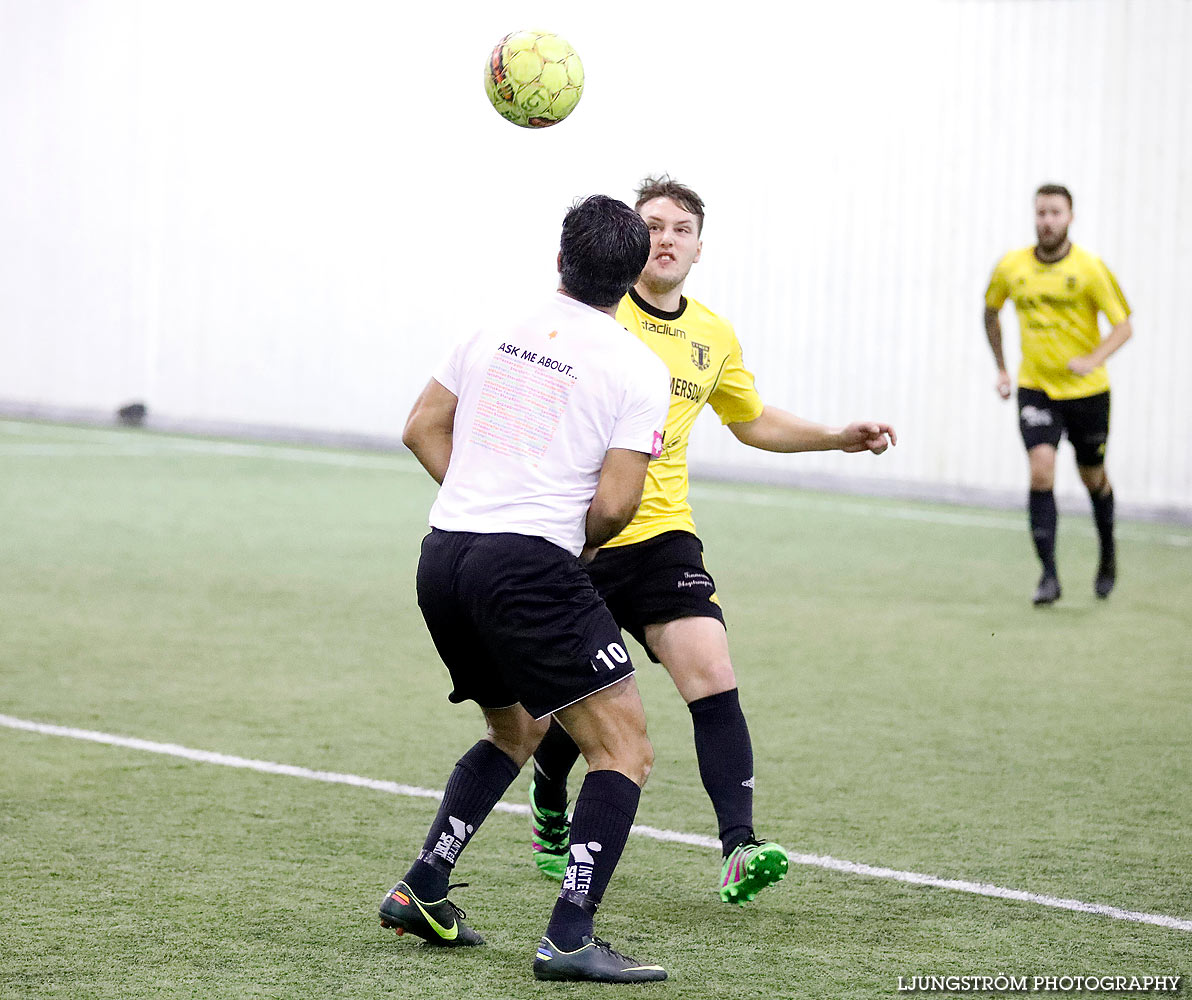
[701, 356]
[1071, 282]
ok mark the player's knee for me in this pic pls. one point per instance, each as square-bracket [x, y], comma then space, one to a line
[1042, 478]
[647, 764]
[1042, 474]
[704, 678]
[640, 761]
[518, 741]
[719, 677]
[1042, 467]
[629, 752]
[1095, 479]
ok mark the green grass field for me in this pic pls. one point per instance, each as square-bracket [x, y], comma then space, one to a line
[909, 709]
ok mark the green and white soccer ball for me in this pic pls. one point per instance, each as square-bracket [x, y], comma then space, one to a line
[533, 78]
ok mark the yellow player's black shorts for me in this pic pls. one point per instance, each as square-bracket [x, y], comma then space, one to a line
[655, 581]
[516, 619]
[1043, 420]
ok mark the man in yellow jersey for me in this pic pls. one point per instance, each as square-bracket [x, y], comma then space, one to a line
[652, 574]
[1063, 387]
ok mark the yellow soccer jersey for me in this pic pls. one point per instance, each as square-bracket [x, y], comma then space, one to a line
[1057, 307]
[704, 358]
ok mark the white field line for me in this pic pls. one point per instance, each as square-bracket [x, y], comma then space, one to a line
[118, 443]
[669, 836]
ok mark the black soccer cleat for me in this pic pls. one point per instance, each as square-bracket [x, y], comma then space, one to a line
[441, 923]
[1106, 577]
[1048, 591]
[594, 962]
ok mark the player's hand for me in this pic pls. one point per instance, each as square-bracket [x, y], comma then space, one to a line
[867, 435]
[588, 553]
[1003, 384]
[1086, 364]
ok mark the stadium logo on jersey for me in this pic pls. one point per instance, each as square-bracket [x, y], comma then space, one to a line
[664, 328]
[701, 356]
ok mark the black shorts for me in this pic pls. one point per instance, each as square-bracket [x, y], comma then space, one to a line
[516, 619]
[654, 582]
[1044, 420]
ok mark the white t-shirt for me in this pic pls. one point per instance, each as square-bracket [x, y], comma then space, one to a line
[540, 402]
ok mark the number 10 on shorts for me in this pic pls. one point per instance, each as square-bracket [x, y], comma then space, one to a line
[611, 656]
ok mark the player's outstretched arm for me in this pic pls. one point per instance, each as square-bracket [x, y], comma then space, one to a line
[778, 430]
[429, 428]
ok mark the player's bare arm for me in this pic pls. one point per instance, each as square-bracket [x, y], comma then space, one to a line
[777, 430]
[993, 332]
[618, 493]
[429, 428]
[1087, 363]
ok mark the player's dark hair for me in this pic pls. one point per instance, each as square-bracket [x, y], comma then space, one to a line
[1055, 189]
[663, 187]
[604, 247]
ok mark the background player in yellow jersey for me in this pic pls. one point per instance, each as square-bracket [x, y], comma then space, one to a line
[1063, 387]
[652, 575]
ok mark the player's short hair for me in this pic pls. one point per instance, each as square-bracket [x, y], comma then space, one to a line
[1055, 189]
[663, 187]
[603, 249]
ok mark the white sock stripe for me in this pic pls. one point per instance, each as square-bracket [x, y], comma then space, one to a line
[668, 836]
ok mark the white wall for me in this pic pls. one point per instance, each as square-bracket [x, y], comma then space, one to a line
[282, 213]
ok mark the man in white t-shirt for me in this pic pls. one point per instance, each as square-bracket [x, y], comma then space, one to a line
[539, 432]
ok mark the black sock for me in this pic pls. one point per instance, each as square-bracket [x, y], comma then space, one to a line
[476, 785]
[553, 760]
[725, 755]
[1103, 515]
[604, 811]
[1043, 519]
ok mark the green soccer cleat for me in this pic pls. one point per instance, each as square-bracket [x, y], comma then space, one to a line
[441, 923]
[550, 836]
[594, 962]
[750, 868]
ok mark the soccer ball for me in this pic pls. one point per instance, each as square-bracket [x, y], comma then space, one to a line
[533, 78]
